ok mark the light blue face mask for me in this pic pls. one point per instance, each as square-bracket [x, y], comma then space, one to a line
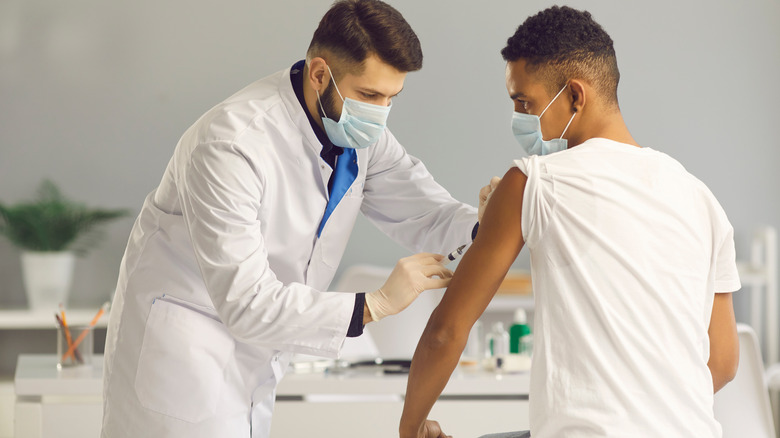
[361, 124]
[528, 132]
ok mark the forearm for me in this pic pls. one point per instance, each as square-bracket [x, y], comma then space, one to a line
[724, 342]
[434, 360]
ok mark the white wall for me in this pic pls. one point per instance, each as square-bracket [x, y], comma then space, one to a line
[94, 95]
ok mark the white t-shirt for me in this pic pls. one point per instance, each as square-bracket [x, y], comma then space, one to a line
[627, 252]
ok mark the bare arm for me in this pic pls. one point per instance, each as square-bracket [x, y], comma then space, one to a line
[478, 277]
[724, 342]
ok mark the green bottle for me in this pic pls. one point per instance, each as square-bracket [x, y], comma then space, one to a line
[518, 329]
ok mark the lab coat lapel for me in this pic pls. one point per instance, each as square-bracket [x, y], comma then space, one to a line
[301, 121]
[330, 246]
[325, 172]
[344, 175]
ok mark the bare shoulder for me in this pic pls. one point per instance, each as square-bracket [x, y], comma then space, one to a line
[514, 181]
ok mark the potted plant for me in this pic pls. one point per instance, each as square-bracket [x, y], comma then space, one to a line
[51, 231]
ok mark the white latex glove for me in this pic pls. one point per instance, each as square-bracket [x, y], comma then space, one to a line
[484, 196]
[409, 278]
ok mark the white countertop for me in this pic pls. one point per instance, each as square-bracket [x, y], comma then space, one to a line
[37, 375]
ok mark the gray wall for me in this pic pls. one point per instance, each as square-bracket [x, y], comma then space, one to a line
[94, 95]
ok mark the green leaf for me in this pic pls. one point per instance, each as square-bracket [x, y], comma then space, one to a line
[53, 222]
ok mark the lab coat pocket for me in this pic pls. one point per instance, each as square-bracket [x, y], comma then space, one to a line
[182, 362]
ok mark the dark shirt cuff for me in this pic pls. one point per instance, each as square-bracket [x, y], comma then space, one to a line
[356, 325]
[474, 231]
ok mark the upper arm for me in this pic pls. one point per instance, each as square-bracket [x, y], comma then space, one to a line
[724, 341]
[486, 263]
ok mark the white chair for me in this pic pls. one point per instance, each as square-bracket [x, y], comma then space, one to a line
[742, 407]
[759, 277]
[394, 337]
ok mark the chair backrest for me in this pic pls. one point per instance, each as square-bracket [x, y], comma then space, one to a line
[394, 337]
[742, 406]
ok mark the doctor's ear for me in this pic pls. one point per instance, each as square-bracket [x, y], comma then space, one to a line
[318, 74]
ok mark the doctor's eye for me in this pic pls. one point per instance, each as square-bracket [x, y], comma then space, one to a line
[368, 95]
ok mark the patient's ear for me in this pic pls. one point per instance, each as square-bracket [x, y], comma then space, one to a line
[579, 95]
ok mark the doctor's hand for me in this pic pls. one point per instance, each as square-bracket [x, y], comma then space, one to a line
[409, 278]
[484, 196]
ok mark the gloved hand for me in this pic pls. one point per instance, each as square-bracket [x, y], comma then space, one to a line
[409, 278]
[484, 196]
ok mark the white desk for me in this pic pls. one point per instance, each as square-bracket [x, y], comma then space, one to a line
[25, 319]
[68, 404]
[53, 403]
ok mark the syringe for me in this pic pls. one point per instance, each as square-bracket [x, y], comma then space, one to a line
[454, 255]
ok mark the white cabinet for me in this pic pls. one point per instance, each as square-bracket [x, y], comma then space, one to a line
[51, 403]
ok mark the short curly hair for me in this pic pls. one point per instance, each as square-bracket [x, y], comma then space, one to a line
[561, 43]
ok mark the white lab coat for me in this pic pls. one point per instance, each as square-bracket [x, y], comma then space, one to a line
[224, 276]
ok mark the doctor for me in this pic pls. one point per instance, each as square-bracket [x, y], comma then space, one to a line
[227, 266]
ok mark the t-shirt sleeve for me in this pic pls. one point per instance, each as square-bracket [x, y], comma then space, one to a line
[726, 274]
[538, 199]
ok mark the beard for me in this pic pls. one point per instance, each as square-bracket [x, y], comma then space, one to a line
[328, 99]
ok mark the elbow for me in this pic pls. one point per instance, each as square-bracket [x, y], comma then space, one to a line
[730, 369]
[724, 370]
[731, 363]
[441, 335]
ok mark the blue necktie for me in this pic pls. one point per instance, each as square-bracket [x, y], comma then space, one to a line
[343, 176]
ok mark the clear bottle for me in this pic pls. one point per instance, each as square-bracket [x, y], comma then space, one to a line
[471, 359]
[498, 344]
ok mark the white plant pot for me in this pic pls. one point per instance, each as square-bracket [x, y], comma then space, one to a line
[47, 278]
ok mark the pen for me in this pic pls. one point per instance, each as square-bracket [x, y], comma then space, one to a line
[84, 332]
[62, 325]
[65, 327]
[454, 255]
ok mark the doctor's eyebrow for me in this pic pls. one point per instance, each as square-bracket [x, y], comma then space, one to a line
[372, 91]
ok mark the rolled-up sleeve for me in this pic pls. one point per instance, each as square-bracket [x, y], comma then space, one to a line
[404, 201]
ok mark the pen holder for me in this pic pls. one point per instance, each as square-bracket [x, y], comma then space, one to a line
[74, 349]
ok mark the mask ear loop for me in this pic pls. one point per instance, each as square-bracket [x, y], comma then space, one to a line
[334, 83]
[334, 86]
[320, 102]
[553, 100]
[567, 125]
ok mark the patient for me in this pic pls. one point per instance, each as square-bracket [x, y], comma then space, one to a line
[632, 258]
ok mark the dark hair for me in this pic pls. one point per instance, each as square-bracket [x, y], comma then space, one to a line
[352, 30]
[561, 43]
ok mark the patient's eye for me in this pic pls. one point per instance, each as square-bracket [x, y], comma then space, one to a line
[522, 105]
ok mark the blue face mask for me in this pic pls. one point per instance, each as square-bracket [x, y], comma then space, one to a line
[527, 129]
[361, 124]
